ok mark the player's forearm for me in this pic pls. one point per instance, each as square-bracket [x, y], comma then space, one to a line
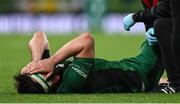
[66, 51]
[72, 48]
[36, 48]
[37, 45]
[37, 53]
[81, 46]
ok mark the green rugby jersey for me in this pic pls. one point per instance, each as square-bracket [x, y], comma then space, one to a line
[135, 74]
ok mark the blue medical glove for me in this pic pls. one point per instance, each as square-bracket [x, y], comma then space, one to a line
[128, 21]
[151, 36]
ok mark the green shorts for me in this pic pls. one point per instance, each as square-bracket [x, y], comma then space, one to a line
[147, 64]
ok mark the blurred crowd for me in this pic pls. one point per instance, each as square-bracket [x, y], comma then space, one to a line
[73, 6]
[64, 16]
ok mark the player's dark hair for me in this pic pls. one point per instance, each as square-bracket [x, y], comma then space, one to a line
[25, 84]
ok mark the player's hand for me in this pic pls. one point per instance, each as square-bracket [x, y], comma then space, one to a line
[150, 35]
[42, 66]
[31, 65]
[128, 21]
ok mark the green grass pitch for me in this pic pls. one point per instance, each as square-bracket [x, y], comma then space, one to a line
[14, 55]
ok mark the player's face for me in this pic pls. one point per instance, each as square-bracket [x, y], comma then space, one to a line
[54, 79]
[49, 85]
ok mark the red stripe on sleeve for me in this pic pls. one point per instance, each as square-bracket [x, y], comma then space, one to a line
[155, 2]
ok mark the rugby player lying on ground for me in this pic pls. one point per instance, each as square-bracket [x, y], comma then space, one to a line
[86, 74]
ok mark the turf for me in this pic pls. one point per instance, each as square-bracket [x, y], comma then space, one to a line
[14, 55]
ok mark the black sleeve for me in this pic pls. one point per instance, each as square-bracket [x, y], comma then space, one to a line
[145, 15]
[149, 15]
[46, 54]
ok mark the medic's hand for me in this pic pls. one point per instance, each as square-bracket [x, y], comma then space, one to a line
[128, 21]
[150, 35]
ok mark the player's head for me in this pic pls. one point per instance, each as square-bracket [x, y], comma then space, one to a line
[36, 83]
